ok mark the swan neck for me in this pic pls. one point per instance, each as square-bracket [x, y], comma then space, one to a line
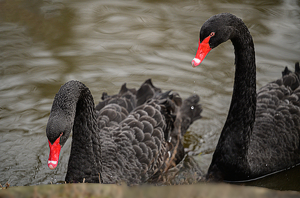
[84, 150]
[230, 157]
[243, 103]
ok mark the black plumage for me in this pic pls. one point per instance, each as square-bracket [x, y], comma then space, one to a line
[261, 133]
[128, 137]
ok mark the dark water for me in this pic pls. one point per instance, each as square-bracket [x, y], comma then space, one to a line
[43, 44]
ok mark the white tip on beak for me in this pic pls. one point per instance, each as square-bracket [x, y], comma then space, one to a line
[195, 62]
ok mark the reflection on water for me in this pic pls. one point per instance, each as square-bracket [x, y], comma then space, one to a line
[106, 43]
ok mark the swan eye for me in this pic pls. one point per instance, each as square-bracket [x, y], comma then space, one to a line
[212, 34]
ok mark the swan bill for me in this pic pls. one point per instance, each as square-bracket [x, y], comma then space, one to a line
[203, 49]
[52, 164]
[54, 153]
[196, 62]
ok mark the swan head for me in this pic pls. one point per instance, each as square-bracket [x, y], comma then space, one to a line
[57, 132]
[216, 30]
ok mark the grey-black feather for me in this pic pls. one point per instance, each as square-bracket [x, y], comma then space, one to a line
[122, 139]
[261, 134]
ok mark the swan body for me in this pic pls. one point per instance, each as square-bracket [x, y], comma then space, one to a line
[128, 137]
[262, 132]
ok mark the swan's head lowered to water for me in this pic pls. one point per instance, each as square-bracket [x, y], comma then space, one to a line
[59, 127]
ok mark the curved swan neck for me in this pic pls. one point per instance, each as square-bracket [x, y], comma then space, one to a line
[85, 117]
[241, 115]
[73, 108]
[230, 156]
[77, 103]
[243, 102]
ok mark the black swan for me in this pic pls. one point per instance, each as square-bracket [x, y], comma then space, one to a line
[261, 133]
[129, 137]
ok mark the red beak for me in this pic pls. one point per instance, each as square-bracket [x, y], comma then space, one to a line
[203, 50]
[54, 153]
